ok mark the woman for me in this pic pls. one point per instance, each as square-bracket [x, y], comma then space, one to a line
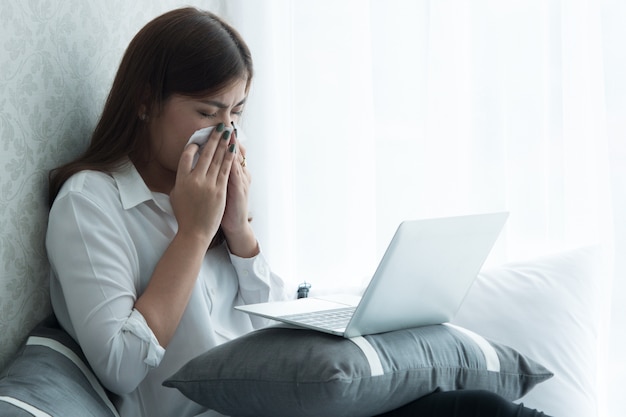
[148, 254]
[150, 244]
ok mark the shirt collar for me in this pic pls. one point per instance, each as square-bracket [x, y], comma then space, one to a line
[133, 190]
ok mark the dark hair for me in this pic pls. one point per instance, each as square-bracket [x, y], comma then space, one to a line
[185, 51]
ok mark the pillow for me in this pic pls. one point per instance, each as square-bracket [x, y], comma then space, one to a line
[49, 377]
[289, 372]
[551, 309]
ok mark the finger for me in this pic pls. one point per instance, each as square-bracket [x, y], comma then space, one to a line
[235, 132]
[185, 163]
[225, 168]
[240, 177]
[241, 150]
[220, 155]
[208, 150]
[241, 163]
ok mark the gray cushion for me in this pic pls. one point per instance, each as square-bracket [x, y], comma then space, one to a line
[50, 376]
[291, 372]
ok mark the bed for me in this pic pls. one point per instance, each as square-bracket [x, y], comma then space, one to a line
[547, 314]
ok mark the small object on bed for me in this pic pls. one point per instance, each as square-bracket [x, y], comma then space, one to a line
[303, 290]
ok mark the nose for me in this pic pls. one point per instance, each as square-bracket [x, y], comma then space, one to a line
[228, 120]
[229, 123]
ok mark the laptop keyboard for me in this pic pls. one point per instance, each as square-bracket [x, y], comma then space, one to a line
[329, 319]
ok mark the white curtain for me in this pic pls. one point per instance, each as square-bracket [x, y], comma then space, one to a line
[365, 113]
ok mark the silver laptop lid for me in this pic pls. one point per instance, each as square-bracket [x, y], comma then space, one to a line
[426, 272]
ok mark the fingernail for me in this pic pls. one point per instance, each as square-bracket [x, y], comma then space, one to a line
[226, 134]
[232, 148]
[220, 127]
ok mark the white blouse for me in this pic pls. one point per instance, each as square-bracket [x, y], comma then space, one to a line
[105, 235]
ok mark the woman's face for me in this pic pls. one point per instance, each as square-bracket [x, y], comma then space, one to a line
[180, 118]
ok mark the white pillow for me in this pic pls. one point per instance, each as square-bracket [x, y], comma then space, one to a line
[551, 310]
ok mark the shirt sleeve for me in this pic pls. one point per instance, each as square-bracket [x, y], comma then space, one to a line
[257, 283]
[95, 263]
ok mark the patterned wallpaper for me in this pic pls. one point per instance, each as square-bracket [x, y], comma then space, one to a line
[57, 61]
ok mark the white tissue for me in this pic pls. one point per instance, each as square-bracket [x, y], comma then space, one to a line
[201, 137]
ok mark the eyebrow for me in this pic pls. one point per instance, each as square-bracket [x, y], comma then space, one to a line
[221, 105]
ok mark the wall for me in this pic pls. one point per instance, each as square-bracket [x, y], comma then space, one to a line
[57, 61]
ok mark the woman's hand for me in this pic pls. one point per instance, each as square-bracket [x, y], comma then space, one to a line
[235, 223]
[198, 199]
[199, 194]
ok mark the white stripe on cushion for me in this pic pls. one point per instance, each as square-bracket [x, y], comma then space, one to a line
[491, 356]
[68, 353]
[376, 367]
[23, 406]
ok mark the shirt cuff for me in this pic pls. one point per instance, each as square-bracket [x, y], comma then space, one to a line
[137, 325]
[251, 270]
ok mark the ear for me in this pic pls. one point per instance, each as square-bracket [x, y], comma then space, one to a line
[143, 113]
[144, 108]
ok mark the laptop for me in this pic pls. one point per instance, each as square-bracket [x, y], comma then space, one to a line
[422, 279]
